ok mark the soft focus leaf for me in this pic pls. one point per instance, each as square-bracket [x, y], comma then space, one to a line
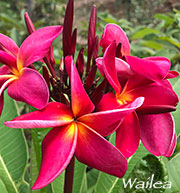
[92, 176]
[13, 150]
[3, 187]
[173, 167]
[176, 114]
[57, 185]
[143, 32]
[79, 177]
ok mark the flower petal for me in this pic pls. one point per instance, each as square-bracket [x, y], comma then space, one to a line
[157, 133]
[6, 84]
[128, 135]
[172, 146]
[108, 102]
[109, 67]
[153, 68]
[122, 68]
[7, 59]
[53, 115]
[172, 74]
[100, 121]
[57, 150]
[95, 151]
[114, 32]
[81, 103]
[8, 44]
[30, 88]
[99, 63]
[4, 70]
[37, 45]
[155, 95]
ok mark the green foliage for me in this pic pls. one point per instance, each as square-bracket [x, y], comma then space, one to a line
[173, 167]
[13, 152]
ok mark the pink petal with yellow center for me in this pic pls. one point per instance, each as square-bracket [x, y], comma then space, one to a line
[153, 68]
[53, 115]
[31, 88]
[128, 135]
[37, 45]
[157, 133]
[57, 150]
[113, 32]
[100, 121]
[81, 103]
[8, 44]
[95, 151]
[109, 67]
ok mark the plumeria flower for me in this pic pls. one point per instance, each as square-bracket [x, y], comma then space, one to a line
[25, 84]
[152, 122]
[76, 130]
[153, 68]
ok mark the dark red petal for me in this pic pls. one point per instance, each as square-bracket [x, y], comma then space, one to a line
[95, 151]
[58, 148]
[128, 135]
[157, 133]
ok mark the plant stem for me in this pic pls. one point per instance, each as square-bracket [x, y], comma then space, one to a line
[69, 174]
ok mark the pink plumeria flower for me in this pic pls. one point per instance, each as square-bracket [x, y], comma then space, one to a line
[153, 68]
[151, 122]
[76, 131]
[25, 84]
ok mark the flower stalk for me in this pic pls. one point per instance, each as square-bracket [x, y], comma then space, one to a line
[69, 176]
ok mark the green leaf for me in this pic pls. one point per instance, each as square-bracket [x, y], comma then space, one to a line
[143, 32]
[79, 177]
[13, 149]
[92, 176]
[171, 40]
[176, 114]
[57, 185]
[148, 166]
[152, 44]
[173, 167]
[3, 187]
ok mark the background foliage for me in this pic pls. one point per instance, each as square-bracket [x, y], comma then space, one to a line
[153, 29]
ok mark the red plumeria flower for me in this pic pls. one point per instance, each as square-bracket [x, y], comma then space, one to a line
[153, 68]
[76, 131]
[25, 84]
[152, 122]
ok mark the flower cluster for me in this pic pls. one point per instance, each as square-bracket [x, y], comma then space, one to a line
[133, 99]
